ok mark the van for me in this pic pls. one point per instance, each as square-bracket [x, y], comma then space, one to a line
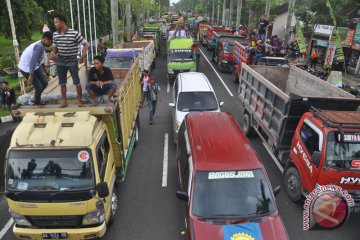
[192, 92]
[225, 188]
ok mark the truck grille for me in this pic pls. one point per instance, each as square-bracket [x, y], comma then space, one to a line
[55, 221]
[355, 195]
[176, 72]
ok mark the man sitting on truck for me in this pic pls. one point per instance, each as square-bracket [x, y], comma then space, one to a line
[101, 81]
[260, 51]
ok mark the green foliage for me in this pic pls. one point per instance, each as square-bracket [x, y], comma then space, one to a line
[316, 12]
[7, 60]
[26, 18]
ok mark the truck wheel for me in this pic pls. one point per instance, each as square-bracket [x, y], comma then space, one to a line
[292, 184]
[113, 205]
[246, 125]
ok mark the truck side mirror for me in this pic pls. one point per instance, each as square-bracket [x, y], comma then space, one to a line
[276, 190]
[182, 196]
[315, 157]
[102, 189]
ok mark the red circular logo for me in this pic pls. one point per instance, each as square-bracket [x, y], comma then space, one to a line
[330, 210]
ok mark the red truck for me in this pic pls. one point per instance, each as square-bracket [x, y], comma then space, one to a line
[316, 147]
[224, 50]
[210, 33]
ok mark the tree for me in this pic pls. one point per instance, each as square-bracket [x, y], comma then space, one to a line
[26, 18]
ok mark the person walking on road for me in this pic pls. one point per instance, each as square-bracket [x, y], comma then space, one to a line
[314, 58]
[30, 65]
[153, 95]
[144, 82]
[66, 44]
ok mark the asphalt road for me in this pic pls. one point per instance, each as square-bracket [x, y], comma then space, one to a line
[149, 210]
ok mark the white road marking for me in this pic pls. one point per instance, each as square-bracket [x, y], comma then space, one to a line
[6, 228]
[278, 164]
[165, 161]
[217, 74]
[168, 87]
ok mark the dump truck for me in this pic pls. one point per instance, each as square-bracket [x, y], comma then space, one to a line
[224, 50]
[144, 50]
[63, 165]
[210, 34]
[309, 126]
[181, 57]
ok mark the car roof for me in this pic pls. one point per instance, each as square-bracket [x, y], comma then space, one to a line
[194, 81]
[218, 143]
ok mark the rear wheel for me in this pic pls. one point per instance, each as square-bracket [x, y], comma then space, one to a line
[292, 183]
[246, 125]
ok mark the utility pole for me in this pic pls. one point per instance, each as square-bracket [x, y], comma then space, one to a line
[231, 12]
[15, 42]
[213, 11]
[223, 13]
[114, 21]
[288, 22]
[128, 20]
[238, 14]
[218, 12]
[267, 9]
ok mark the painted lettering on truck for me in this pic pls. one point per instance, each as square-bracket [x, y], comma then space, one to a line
[350, 181]
[303, 155]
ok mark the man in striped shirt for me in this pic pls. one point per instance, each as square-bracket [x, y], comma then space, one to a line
[66, 44]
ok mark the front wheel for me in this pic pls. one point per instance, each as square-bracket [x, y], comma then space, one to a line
[113, 205]
[292, 183]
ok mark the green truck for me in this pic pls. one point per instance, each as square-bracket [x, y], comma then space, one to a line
[181, 57]
[154, 31]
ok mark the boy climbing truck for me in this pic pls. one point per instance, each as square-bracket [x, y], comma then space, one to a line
[182, 57]
[63, 165]
[316, 147]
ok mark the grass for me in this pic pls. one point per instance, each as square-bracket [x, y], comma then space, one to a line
[6, 45]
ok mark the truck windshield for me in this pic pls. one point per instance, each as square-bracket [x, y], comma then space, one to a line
[197, 101]
[231, 194]
[228, 48]
[342, 149]
[121, 62]
[180, 55]
[49, 170]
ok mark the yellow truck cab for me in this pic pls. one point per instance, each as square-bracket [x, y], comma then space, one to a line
[63, 164]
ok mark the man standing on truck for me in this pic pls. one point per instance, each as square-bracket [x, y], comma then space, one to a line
[101, 81]
[30, 65]
[180, 26]
[66, 44]
[263, 24]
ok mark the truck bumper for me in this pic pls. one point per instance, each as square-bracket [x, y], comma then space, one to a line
[227, 67]
[72, 234]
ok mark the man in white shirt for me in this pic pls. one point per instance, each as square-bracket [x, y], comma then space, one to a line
[30, 65]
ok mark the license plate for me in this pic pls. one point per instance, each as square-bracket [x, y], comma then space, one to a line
[54, 236]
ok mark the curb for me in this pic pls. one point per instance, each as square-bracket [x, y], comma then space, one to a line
[6, 119]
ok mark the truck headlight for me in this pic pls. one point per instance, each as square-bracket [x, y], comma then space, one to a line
[20, 219]
[171, 71]
[95, 217]
[223, 61]
[178, 124]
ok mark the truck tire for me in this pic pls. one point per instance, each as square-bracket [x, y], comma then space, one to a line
[246, 125]
[292, 184]
[113, 206]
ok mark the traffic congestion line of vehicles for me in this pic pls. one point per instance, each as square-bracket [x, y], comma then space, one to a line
[61, 181]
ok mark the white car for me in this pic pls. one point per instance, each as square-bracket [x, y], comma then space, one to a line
[192, 92]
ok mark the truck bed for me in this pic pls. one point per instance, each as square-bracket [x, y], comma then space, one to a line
[277, 97]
